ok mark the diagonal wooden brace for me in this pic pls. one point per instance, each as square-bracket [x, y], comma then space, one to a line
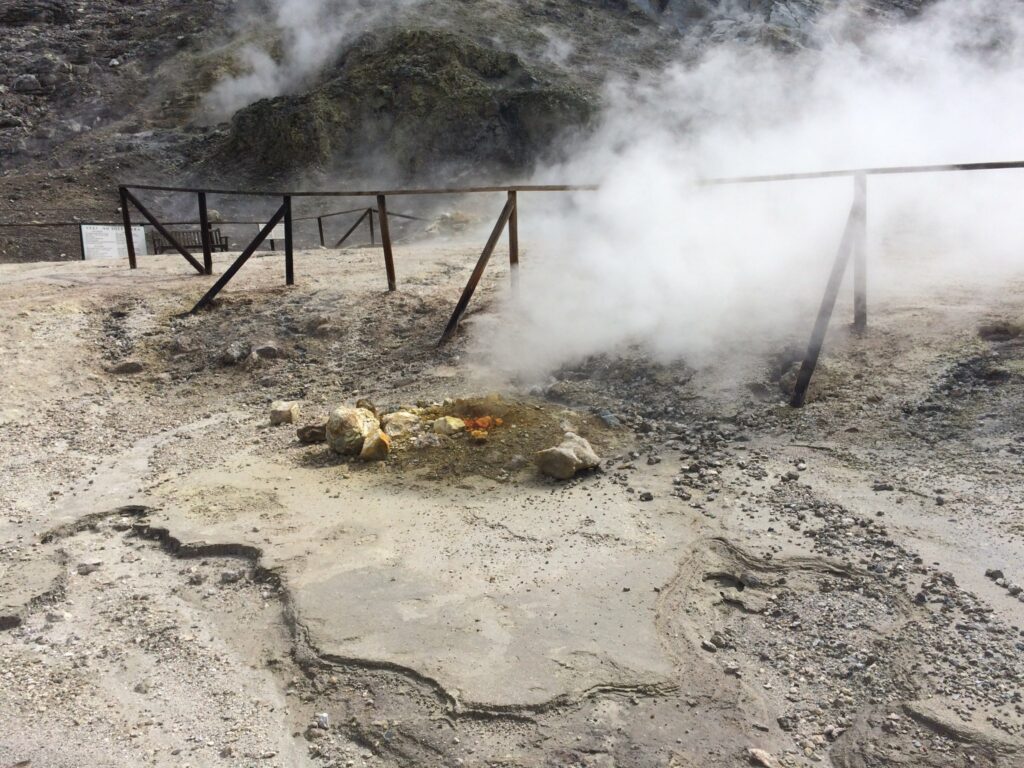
[240, 261]
[352, 229]
[478, 271]
[163, 231]
[828, 303]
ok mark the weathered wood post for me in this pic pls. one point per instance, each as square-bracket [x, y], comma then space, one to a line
[860, 258]
[385, 237]
[126, 216]
[513, 241]
[204, 233]
[289, 265]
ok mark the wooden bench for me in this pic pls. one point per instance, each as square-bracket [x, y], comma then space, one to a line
[190, 240]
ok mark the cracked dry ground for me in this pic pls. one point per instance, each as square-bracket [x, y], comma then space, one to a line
[181, 584]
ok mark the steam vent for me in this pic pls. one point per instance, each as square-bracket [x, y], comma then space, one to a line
[547, 384]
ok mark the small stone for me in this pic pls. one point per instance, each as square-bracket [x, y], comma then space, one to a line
[312, 434]
[762, 758]
[231, 575]
[128, 367]
[1014, 589]
[235, 353]
[268, 350]
[27, 83]
[448, 425]
[708, 646]
[84, 569]
[323, 721]
[786, 722]
[994, 573]
[284, 412]
[881, 485]
[646, 496]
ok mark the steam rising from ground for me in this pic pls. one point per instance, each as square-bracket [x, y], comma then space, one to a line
[683, 271]
[307, 35]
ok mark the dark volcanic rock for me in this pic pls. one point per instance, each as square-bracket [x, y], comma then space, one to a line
[422, 98]
[35, 12]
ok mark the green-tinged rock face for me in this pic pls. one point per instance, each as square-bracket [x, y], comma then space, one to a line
[418, 98]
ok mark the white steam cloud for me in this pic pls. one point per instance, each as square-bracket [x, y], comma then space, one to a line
[309, 33]
[687, 271]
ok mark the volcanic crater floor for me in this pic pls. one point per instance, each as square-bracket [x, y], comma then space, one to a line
[737, 583]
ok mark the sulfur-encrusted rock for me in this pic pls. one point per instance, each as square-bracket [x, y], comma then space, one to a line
[400, 423]
[573, 455]
[376, 447]
[348, 428]
[284, 412]
[448, 425]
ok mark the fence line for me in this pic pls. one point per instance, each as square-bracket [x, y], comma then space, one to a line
[853, 243]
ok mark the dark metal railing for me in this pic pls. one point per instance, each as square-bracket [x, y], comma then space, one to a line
[852, 245]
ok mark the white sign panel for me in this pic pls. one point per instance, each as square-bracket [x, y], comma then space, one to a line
[106, 241]
[277, 233]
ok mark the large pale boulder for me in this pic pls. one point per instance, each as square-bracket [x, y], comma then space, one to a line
[348, 428]
[400, 423]
[573, 455]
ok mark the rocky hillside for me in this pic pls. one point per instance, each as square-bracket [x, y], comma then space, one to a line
[94, 93]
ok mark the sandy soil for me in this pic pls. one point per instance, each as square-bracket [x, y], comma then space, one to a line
[183, 584]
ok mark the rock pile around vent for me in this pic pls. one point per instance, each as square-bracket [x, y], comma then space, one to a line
[488, 435]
